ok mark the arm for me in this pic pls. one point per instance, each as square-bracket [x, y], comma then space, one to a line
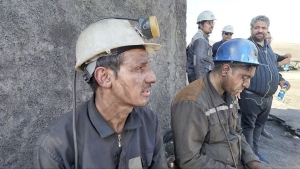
[215, 49]
[190, 126]
[45, 158]
[159, 159]
[285, 59]
[201, 58]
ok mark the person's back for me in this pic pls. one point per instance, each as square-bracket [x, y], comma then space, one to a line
[199, 53]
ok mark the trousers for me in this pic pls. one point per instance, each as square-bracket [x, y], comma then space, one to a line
[255, 111]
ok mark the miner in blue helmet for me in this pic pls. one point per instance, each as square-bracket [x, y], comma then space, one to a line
[204, 114]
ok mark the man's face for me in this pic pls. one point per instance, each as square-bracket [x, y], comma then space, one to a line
[207, 27]
[269, 38]
[226, 36]
[259, 31]
[237, 79]
[133, 85]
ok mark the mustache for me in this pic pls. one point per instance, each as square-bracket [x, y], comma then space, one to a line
[146, 87]
[259, 33]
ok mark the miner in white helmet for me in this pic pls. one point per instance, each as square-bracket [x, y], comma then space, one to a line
[227, 33]
[115, 129]
[199, 51]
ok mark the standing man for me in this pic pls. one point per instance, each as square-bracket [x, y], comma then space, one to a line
[199, 53]
[256, 101]
[115, 129]
[281, 60]
[204, 114]
[227, 33]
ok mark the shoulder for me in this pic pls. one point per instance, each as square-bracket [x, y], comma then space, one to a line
[190, 92]
[59, 135]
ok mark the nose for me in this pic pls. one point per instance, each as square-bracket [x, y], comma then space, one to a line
[150, 77]
[246, 83]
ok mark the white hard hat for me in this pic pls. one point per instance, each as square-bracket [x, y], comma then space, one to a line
[228, 28]
[205, 16]
[105, 35]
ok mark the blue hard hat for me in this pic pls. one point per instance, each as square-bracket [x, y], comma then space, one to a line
[237, 50]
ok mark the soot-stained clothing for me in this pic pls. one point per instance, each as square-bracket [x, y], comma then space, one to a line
[141, 144]
[197, 115]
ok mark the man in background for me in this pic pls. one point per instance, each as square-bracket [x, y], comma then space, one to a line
[256, 101]
[199, 52]
[227, 33]
[282, 60]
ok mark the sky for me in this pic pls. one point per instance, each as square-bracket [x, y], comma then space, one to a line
[284, 17]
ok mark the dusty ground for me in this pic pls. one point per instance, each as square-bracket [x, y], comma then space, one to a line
[284, 150]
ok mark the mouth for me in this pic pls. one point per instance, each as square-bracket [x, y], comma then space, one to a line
[146, 92]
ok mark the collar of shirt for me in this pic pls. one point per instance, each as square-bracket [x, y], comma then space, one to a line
[206, 36]
[266, 44]
[101, 125]
[215, 97]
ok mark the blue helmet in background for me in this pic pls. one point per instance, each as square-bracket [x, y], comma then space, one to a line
[237, 50]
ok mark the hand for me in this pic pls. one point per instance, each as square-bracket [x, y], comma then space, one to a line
[254, 165]
[288, 55]
[281, 83]
[238, 96]
[285, 61]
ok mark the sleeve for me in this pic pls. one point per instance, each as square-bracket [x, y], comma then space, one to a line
[280, 78]
[201, 61]
[159, 159]
[214, 49]
[190, 126]
[44, 158]
[247, 152]
[280, 57]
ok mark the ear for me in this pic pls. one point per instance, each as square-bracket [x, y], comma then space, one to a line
[225, 69]
[102, 76]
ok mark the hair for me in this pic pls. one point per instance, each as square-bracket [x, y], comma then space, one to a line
[201, 23]
[260, 18]
[234, 65]
[112, 62]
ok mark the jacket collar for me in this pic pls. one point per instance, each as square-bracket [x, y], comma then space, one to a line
[217, 100]
[102, 126]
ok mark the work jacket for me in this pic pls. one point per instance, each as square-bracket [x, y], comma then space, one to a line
[201, 122]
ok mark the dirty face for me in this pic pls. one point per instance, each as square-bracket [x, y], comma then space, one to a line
[259, 31]
[237, 79]
[207, 27]
[133, 83]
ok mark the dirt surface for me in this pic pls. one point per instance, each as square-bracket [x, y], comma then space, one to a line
[283, 151]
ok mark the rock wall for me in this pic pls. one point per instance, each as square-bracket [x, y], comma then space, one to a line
[37, 57]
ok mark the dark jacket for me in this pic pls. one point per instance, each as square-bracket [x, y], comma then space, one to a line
[199, 56]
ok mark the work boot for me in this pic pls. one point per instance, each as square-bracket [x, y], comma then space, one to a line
[261, 157]
[266, 134]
